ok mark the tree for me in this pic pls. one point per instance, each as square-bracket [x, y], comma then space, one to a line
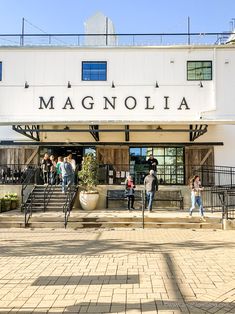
[88, 175]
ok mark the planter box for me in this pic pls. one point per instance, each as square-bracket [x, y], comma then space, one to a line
[14, 204]
[5, 205]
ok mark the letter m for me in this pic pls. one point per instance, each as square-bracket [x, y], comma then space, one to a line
[48, 105]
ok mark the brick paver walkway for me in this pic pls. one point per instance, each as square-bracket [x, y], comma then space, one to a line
[117, 271]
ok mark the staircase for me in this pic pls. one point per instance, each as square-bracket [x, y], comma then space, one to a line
[56, 199]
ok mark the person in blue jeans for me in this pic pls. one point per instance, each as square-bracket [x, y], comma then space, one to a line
[196, 198]
[150, 184]
[67, 174]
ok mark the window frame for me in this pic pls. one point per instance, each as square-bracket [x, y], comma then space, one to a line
[200, 79]
[167, 173]
[92, 80]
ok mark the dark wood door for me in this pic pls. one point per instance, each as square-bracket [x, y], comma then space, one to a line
[200, 160]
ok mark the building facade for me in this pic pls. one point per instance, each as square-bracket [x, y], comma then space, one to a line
[122, 102]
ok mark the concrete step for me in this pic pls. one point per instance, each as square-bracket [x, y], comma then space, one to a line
[40, 219]
[139, 219]
[51, 224]
[12, 224]
[130, 224]
[12, 219]
[59, 223]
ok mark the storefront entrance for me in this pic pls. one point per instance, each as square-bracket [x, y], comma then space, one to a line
[63, 151]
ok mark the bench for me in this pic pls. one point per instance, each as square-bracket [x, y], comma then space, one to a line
[115, 195]
[172, 195]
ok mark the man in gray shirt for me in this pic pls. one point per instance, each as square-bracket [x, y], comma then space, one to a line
[150, 184]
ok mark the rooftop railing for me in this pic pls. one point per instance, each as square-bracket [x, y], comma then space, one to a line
[109, 40]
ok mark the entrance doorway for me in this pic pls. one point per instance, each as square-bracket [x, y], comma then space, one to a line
[63, 151]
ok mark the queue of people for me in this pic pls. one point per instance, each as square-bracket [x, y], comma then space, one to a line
[59, 171]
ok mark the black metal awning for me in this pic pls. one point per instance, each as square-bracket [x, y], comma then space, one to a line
[33, 131]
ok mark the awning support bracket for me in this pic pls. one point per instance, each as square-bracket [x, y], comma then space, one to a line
[94, 130]
[195, 131]
[31, 131]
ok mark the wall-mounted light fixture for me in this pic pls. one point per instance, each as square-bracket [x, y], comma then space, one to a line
[113, 85]
[226, 61]
[69, 84]
[156, 85]
[200, 84]
[26, 85]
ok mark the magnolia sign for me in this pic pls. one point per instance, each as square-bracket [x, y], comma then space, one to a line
[112, 103]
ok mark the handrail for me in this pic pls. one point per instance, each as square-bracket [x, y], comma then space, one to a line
[29, 175]
[71, 192]
[14, 173]
[47, 195]
[27, 207]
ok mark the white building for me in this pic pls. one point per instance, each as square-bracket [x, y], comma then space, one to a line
[126, 102]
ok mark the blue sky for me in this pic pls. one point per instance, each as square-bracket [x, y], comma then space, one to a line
[129, 16]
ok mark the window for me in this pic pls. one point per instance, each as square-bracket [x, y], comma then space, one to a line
[0, 71]
[199, 70]
[94, 70]
[170, 168]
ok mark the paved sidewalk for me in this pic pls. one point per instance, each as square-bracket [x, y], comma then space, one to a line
[117, 271]
[156, 213]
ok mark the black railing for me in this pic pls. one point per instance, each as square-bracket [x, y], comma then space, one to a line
[70, 197]
[220, 199]
[29, 179]
[215, 175]
[133, 39]
[28, 208]
[14, 173]
[110, 174]
[48, 191]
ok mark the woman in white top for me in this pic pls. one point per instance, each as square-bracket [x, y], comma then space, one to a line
[196, 198]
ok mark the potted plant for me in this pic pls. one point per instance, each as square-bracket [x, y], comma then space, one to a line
[88, 176]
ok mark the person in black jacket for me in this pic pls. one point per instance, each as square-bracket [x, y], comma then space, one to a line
[46, 168]
[152, 162]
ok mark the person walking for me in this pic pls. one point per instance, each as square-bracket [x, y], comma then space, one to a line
[151, 186]
[196, 198]
[67, 174]
[130, 186]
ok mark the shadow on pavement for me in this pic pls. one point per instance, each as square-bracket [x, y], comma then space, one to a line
[99, 246]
